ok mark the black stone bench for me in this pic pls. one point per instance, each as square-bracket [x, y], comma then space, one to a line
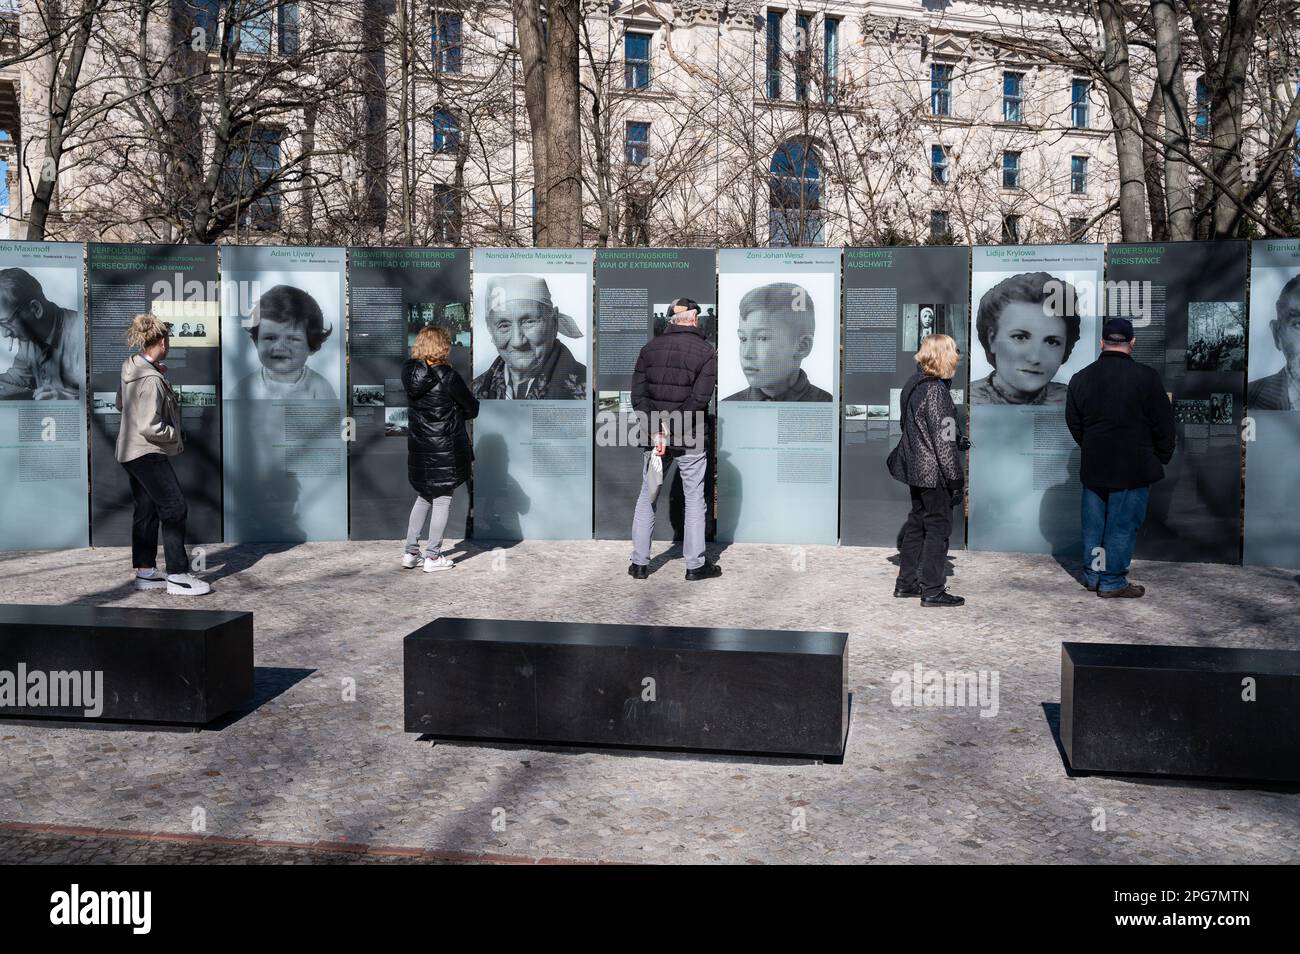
[1181, 710]
[661, 687]
[174, 666]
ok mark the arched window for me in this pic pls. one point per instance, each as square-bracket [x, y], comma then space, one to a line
[795, 214]
[446, 132]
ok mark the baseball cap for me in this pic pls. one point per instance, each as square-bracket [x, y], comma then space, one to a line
[686, 304]
[1117, 330]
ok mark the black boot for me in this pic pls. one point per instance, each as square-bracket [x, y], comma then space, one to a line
[637, 572]
[705, 572]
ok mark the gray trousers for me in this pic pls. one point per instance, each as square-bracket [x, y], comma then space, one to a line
[692, 468]
[436, 512]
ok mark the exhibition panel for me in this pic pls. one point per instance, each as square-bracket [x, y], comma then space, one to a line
[1272, 433]
[177, 283]
[635, 288]
[1034, 323]
[893, 298]
[532, 358]
[778, 387]
[283, 376]
[43, 397]
[1187, 302]
[392, 294]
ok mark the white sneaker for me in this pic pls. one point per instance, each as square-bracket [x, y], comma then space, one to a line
[183, 584]
[411, 560]
[442, 563]
[154, 581]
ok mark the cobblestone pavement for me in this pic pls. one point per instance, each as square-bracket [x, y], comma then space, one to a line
[917, 784]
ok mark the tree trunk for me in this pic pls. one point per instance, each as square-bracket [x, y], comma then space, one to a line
[563, 220]
[532, 57]
[1128, 141]
[64, 86]
[404, 125]
[1227, 97]
[1177, 136]
[374, 84]
[1154, 169]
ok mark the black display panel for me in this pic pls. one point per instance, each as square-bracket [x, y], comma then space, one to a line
[177, 283]
[392, 294]
[893, 297]
[1187, 301]
[634, 287]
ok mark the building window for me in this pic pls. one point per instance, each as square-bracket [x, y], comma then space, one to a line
[1079, 90]
[831, 57]
[939, 169]
[802, 55]
[636, 230]
[636, 61]
[255, 28]
[287, 24]
[940, 89]
[1011, 97]
[795, 216]
[1202, 107]
[446, 42]
[1010, 230]
[1011, 170]
[938, 224]
[251, 168]
[1078, 174]
[1078, 230]
[446, 215]
[636, 143]
[446, 132]
[773, 54]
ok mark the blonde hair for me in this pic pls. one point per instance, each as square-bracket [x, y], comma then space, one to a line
[937, 356]
[432, 345]
[146, 331]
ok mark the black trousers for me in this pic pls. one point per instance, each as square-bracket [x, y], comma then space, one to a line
[923, 542]
[158, 500]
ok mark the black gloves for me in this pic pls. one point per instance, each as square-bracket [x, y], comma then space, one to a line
[958, 492]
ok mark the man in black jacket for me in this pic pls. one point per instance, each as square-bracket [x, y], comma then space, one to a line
[1119, 414]
[672, 385]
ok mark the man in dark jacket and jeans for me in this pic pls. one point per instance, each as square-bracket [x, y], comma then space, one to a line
[1119, 414]
[672, 385]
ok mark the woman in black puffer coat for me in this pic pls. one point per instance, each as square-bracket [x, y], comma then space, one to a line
[438, 447]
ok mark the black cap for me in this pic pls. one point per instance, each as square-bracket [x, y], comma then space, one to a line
[686, 304]
[1117, 330]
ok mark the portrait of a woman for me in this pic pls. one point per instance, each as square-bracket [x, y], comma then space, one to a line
[1027, 330]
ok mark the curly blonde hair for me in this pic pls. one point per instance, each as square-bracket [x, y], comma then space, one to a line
[146, 331]
[432, 345]
[938, 356]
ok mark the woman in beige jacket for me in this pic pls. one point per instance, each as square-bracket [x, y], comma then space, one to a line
[150, 436]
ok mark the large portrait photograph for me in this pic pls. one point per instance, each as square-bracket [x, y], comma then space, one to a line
[284, 341]
[776, 340]
[531, 334]
[1029, 336]
[42, 350]
[1274, 371]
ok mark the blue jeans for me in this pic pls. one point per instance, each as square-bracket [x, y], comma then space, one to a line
[1110, 524]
